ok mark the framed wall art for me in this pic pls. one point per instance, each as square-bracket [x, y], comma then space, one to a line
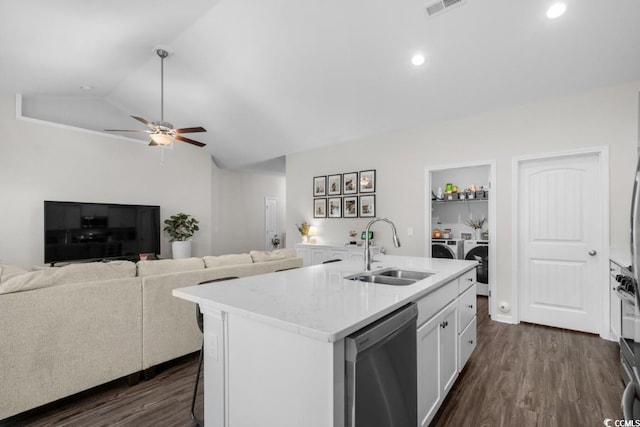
[319, 186]
[367, 181]
[350, 207]
[319, 208]
[367, 206]
[350, 183]
[335, 207]
[334, 185]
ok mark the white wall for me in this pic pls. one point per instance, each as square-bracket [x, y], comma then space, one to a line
[602, 117]
[42, 162]
[238, 210]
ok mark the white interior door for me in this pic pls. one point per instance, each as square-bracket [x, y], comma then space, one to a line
[560, 229]
[271, 221]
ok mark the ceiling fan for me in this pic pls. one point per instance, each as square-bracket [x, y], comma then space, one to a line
[163, 133]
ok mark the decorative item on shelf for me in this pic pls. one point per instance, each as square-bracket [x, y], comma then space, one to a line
[446, 233]
[352, 237]
[181, 227]
[275, 241]
[304, 231]
[450, 192]
[485, 235]
[439, 194]
[465, 236]
[436, 234]
[471, 192]
[476, 224]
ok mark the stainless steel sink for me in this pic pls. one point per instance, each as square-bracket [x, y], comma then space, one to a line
[383, 280]
[391, 276]
[405, 274]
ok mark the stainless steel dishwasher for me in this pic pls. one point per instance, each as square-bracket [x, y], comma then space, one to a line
[381, 372]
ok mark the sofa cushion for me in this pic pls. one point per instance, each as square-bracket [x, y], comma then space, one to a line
[262, 256]
[72, 273]
[225, 260]
[7, 271]
[151, 268]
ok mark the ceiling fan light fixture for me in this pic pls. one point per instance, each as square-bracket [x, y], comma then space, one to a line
[161, 138]
[556, 10]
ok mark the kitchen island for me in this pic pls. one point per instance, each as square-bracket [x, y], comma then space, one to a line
[274, 343]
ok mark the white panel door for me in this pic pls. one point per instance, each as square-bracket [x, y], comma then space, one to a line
[271, 221]
[560, 230]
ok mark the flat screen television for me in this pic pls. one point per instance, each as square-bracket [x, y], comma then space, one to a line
[76, 231]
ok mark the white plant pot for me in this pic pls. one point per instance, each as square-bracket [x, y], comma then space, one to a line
[181, 249]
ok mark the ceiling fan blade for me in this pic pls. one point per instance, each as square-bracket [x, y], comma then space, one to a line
[191, 130]
[152, 143]
[190, 141]
[145, 121]
[125, 130]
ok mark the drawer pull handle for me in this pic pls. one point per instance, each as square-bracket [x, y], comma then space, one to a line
[470, 306]
[470, 341]
[444, 324]
[470, 279]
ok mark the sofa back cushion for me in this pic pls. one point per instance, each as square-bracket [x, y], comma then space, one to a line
[163, 266]
[73, 273]
[7, 271]
[275, 255]
[226, 260]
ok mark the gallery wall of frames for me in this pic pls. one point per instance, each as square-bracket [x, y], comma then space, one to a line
[345, 195]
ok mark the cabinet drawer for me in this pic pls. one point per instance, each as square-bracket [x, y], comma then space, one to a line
[466, 307]
[435, 301]
[466, 280]
[467, 342]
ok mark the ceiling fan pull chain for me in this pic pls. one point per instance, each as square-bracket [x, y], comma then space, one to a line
[162, 161]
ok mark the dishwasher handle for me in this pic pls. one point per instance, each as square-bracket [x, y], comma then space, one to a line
[380, 331]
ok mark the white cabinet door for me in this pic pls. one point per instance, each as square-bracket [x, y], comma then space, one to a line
[318, 256]
[429, 396]
[337, 254]
[449, 347]
[437, 361]
[305, 254]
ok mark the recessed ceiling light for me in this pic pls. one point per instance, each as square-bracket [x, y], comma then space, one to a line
[87, 87]
[556, 10]
[417, 59]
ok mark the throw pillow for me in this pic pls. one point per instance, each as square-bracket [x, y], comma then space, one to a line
[225, 260]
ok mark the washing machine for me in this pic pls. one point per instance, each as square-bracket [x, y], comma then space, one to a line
[447, 248]
[478, 250]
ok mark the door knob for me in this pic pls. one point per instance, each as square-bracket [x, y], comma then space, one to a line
[592, 252]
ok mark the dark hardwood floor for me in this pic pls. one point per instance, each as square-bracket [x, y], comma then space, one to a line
[533, 375]
[519, 375]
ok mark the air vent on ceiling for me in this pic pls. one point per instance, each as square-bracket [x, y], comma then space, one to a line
[440, 6]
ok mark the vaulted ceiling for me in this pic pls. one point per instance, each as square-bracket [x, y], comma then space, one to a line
[271, 77]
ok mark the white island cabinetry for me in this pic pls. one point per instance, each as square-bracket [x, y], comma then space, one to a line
[275, 344]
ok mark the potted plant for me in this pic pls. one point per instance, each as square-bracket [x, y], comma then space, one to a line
[181, 227]
[477, 226]
[304, 231]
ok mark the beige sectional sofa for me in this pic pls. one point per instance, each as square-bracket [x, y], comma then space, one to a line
[64, 330]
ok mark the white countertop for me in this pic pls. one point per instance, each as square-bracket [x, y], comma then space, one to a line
[317, 301]
[333, 246]
[621, 256]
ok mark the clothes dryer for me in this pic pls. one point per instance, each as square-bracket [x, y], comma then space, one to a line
[478, 250]
[447, 248]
